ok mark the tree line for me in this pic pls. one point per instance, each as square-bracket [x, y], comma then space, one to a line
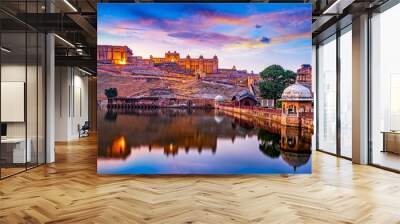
[274, 80]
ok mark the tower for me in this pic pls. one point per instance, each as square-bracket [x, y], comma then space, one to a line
[304, 76]
[172, 57]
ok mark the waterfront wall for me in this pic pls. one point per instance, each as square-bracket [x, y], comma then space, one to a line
[157, 102]
[302, 120]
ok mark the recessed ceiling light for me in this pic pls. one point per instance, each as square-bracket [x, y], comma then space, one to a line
[5, 50]
[86, 72]
[70, 5]
[64, 40]
[331, 7]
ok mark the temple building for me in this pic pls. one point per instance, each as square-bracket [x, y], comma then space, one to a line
[297, 102]
[244, 98]
[198, 65]
[304, 76]
[110, 54]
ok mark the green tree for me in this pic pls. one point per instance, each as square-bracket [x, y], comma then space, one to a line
[274, 80]
[111, 92]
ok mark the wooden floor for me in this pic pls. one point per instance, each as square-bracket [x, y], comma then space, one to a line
[70, 191]
[5, 172]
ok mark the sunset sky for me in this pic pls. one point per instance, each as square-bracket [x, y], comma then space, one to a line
[251, 36]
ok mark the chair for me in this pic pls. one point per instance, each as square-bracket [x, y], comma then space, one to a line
[84, 130]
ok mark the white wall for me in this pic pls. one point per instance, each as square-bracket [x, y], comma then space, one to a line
[33, 126]
[80, 111]
[12, 73]
[314, 90]
[61, 103]
[71, 102]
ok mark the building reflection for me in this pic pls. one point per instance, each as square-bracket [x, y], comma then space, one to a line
[295, 146]
[118, 149]
[295, 160]
[110, 115]
[294, 140]
[291, 146]
[198, 143]
[269, 144]
[177, 131]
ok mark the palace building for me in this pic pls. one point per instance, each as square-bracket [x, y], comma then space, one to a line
[304, 76]
[198, 65]
[113, 54]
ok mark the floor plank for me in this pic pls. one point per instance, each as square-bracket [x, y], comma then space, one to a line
[70, 191]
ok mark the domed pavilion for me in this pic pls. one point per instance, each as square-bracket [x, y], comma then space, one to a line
[297, 99]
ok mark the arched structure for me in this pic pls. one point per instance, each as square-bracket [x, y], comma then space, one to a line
[244, 98]
[297, 101]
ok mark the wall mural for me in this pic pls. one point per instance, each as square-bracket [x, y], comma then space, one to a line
[214, 88]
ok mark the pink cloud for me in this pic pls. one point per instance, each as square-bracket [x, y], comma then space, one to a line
[288, 26]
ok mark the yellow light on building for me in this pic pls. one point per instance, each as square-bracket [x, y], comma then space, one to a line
[118, 146]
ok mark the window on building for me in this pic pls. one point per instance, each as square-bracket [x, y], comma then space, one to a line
[292, 109]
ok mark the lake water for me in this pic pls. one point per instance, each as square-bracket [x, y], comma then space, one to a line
[178, 141]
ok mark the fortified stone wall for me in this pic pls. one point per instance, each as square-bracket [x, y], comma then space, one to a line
[266, 114]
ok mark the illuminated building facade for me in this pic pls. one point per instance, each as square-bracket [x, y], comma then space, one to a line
[113, 54]
[198, 65]
[296, 99]
[297, 106]
[304, 76]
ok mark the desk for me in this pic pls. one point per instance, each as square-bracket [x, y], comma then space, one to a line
[391, 141]
[16, 147]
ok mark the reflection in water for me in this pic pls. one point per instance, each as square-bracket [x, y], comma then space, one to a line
[110, 116]
[295, 159]
[269, 144]
[197, 141]
[118, 148]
